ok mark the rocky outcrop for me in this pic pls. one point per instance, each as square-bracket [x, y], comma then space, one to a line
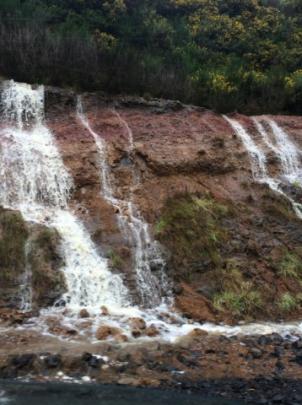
[225, 236]
[46, 266]
[13, 236]
[30, 263]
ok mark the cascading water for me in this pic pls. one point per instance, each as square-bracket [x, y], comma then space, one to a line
[287, 153]
[34, 180]
[258, 158]
[283, 148]
[146, 251]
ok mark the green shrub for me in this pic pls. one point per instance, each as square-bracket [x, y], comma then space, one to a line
[288, 302]
[239, 303]
[290, 266]
[115, 259]
[191, 227]
[198, 51]
[12, 244]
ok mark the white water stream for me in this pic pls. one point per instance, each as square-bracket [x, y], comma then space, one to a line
[283, 148]
[34, 180]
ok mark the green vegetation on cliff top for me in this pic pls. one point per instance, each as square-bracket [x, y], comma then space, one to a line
[224, 55]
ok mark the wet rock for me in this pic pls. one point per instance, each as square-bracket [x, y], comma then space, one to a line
[256, 353]
[84, 313]
[264, 340]
[121, 338]
[177, 289]
[129, 381]
[53, 361]
[278, 351]
[136, 333]
[152, 331]
[86, 356]
[95, 362]
[105, 332]
[58, 329]
[197, 333]
[298, 358]
[137, 323]
[193, 305]
[278, 399]
[186, 360]
[85, 324]
[48, 281]
[297, 345]
[279, 365]
[104, 310]
[24, 360]
[276, 338]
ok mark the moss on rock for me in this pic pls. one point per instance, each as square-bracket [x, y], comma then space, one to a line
[48, 280]
[190, 227]
[13, 236]
[28, 247]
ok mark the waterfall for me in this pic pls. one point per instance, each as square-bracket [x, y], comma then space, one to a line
[287, 152]
[34, 180]
[283, 148]
[147, 254]
[258, 158]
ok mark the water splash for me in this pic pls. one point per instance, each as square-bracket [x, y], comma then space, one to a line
[34, 180]
[147, 255]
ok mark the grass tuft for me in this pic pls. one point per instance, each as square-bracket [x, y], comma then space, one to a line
[290, 266]
[288, 302]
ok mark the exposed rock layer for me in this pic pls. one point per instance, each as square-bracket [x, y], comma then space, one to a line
[222, 233]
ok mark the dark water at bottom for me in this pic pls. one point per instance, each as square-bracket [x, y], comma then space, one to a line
[12, 393]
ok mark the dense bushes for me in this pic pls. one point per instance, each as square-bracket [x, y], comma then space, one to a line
[225, 55]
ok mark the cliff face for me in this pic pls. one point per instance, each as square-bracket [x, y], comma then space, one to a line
[231, 244]
[225, 235]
